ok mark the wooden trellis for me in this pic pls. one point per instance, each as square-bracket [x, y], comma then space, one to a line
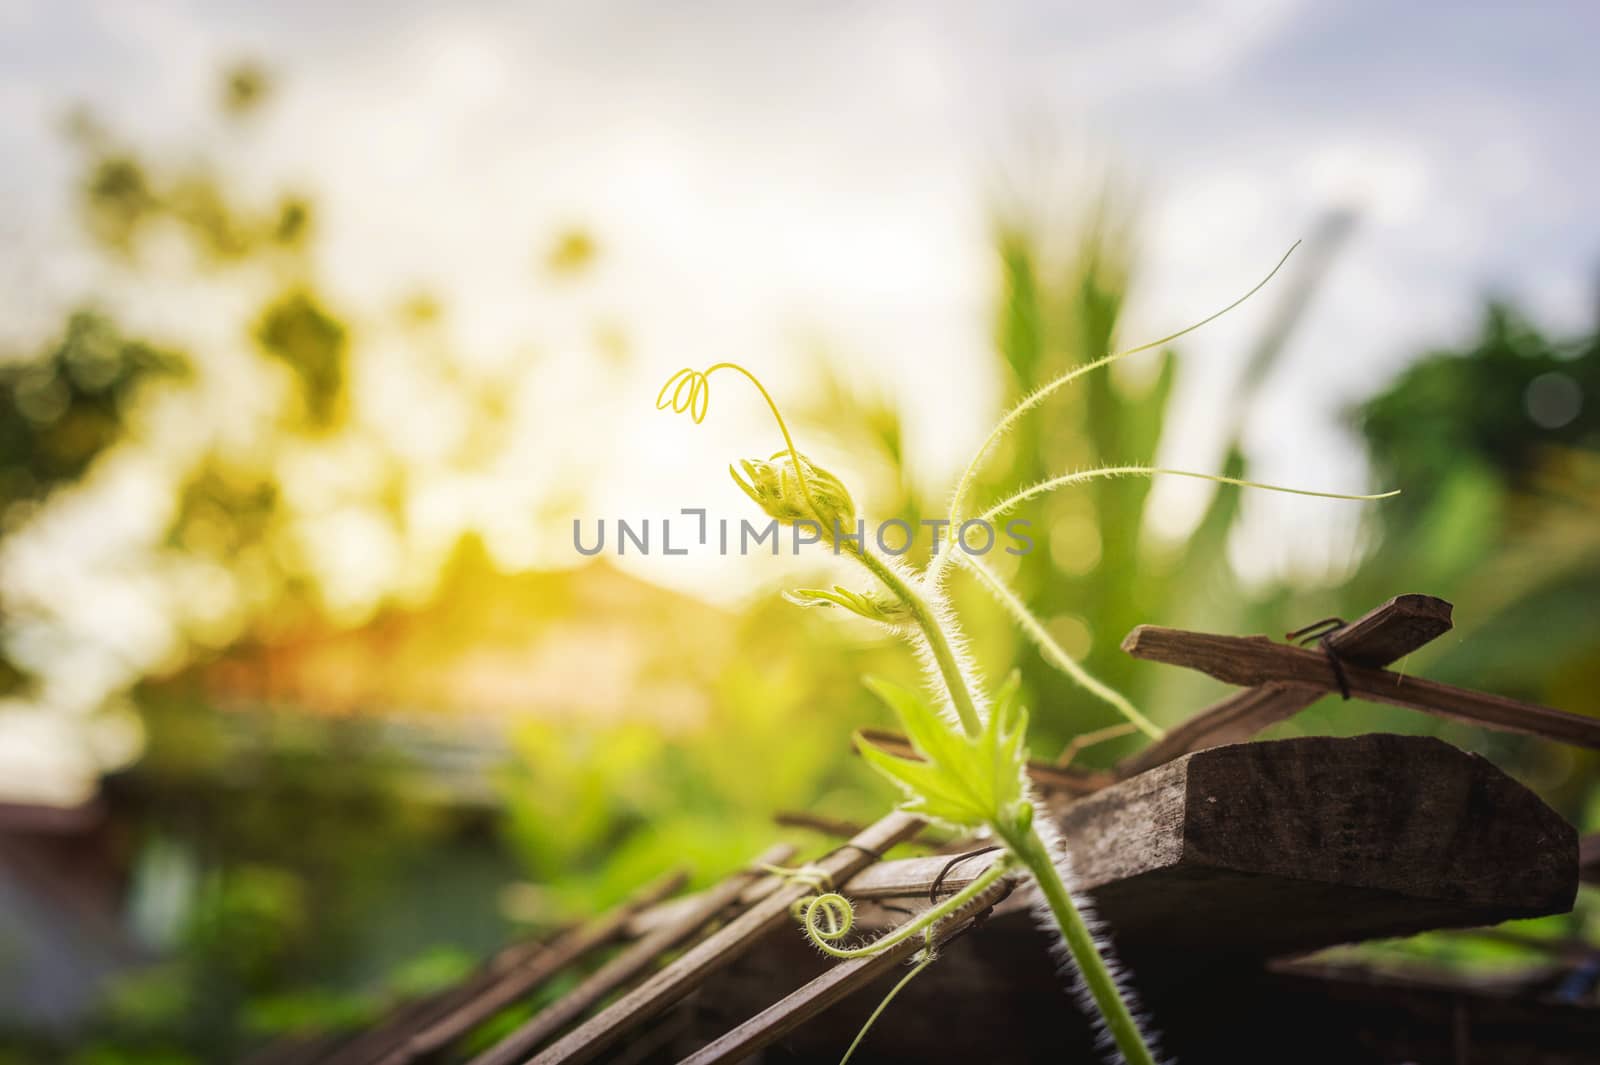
[1202, 846]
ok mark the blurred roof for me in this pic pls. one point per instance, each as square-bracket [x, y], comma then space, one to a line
[486, 645]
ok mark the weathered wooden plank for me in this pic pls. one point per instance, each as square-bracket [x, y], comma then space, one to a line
[622, 969]
[915, 877]
[1589, 858]
[1377, 638]
[1291, 844]
[1198, 870]
[525, 979]
[1305, 842]
[1255, 660]
[602, 1031]
[1393, 630]
[908, 877]
[837, 983]
[663, 913]
[1434, 1016]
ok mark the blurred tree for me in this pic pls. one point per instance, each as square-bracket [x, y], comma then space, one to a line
[298, 331]
[1497, 407]
[290, 879]
[1497, 446]
[60, 411]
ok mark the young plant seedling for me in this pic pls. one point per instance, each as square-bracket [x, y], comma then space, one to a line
[972, 775]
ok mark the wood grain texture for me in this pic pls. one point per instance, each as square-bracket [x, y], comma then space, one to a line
[1393, 630]
[1291, 844]
[915, 877]
[1256, 660]
[1383, 635]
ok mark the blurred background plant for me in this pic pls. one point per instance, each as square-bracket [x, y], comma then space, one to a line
[337, 742]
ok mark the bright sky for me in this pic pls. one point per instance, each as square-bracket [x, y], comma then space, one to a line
[762, 175]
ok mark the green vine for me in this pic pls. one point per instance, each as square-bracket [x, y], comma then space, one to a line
[972, 770]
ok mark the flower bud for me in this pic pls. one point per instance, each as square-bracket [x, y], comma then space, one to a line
[777, 489]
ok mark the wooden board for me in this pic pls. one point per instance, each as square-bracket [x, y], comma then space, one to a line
[1379, 637]
[1256, 660]
[1198, 870]
[1289, 844]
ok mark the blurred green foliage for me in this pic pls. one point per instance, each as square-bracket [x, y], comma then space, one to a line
[1501, 515]
[596, 810]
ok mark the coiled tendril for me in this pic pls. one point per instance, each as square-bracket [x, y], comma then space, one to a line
[837, 917]
[689, 392]
[829, 917]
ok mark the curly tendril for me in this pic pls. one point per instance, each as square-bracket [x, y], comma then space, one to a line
[689, 392]
[840, 915]
[814, 877]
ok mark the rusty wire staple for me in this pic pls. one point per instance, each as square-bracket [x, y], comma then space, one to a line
[938, 881]
[1323, 631]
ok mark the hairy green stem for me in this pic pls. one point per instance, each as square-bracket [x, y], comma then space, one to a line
[1024, 846]
[1054, 653]
[1031, 851]
[938, 642]
[1040, 394]
[1064, 480]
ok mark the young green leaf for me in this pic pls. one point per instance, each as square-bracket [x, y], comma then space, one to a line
[963, 781]
[873, 608]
